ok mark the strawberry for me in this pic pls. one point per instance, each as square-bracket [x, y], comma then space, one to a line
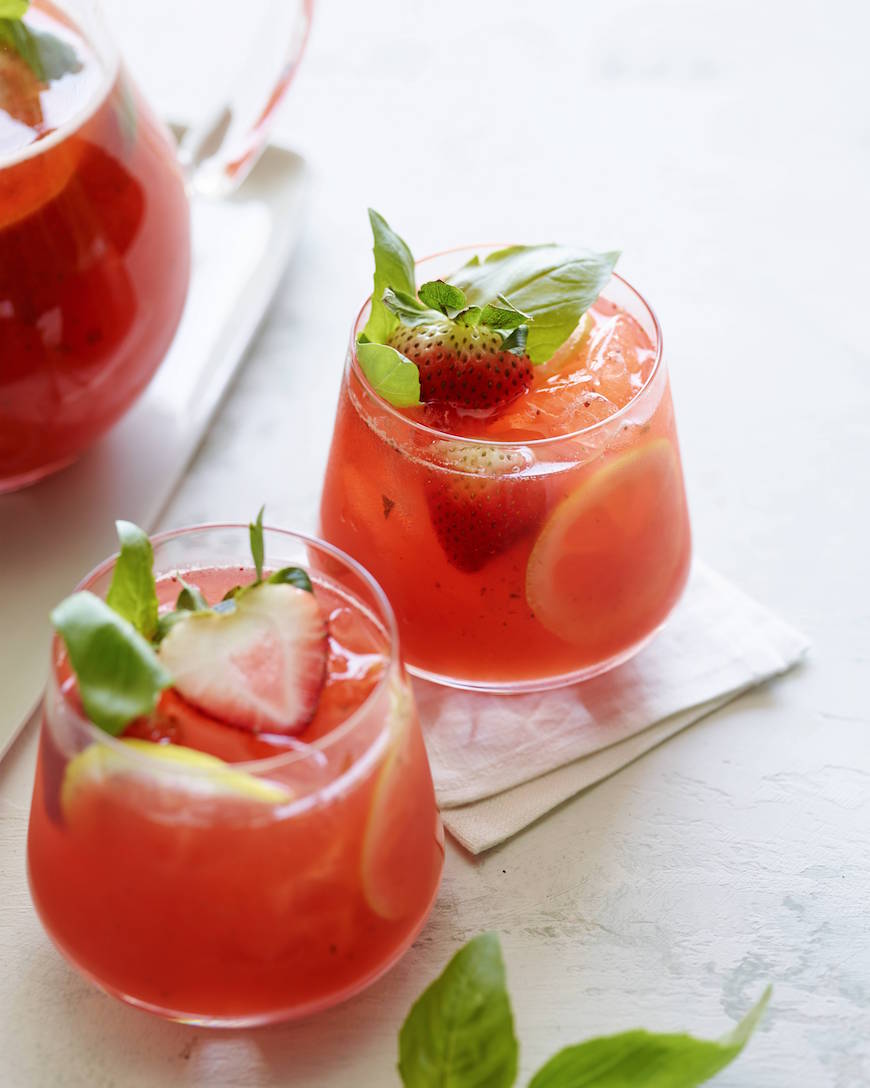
[177, 721]
[259, 664]
[479, 503]
[469, 357]
[465, 346]
[466, 366]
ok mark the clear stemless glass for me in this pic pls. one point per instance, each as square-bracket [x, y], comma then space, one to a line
[596, 548]
[244, 892]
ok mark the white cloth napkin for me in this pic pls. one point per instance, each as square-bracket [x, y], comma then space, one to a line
[501, 761]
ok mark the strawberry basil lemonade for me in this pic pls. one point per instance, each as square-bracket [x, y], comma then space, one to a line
[94, 242]
[505, 462]
[264, 841]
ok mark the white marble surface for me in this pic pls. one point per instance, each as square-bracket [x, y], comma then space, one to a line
[725, 147]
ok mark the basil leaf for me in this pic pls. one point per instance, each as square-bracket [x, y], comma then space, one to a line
[292, 576]
[48, 57]
[640, 1059]
[13, 9]
[133, 593]
[442, 296]
[119, 675]
[394, 267]
[390, 374]
[54, 57]
[258, 548]
[460, 1031]
[409, 309]
[553, 285]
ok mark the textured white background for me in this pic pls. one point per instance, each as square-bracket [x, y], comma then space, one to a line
[725, 146]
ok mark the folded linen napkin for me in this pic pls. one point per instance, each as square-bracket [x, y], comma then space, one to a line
[501, 761]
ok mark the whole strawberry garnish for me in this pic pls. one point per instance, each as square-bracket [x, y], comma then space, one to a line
[480, 503]
[466, 366]
[469, 345]
[469, 357]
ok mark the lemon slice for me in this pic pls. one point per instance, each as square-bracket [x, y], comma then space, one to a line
[160, 764]
[396, 860]
[607, 563]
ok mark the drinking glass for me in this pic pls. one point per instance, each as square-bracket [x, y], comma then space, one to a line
[599, 547]
[248, 892]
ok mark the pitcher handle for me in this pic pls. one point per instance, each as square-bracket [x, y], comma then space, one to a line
[218, 153]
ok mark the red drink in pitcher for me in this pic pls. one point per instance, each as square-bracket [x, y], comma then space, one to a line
[94, 242]
[207, 863]
[505, 461]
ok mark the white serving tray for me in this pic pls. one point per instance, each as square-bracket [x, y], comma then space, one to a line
[53, 533]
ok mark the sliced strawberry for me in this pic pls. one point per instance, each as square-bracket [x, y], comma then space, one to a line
[260, 666]
[462, 365]
[177, 721]
[479, 505]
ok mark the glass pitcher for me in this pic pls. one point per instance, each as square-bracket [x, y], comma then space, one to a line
[95, 224]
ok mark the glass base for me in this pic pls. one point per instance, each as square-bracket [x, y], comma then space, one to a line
[266, 1016]
[25, 479]
[538, 683]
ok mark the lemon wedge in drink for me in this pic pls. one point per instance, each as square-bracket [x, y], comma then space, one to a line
[160, 765]
[396, 856]
[609, 556]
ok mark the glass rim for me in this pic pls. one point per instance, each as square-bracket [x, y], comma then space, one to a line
[108, 57]
[281, 759]
[535, 443]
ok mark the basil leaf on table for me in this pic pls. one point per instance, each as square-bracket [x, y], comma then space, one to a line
[641, 1059]
[133, 593]
[460, 1031]
[119, 675]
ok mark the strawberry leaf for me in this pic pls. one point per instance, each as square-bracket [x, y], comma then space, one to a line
[390, 374]
[132, 593]
[119, 675]
[552, 285]
[442, 296]
[516, 341]
[394, 267]
[409, 309]
[504, 318]
[469, 316]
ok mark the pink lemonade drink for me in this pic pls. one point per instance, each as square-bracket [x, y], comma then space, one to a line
[264, 842]
[94, 241]
[519, 496]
